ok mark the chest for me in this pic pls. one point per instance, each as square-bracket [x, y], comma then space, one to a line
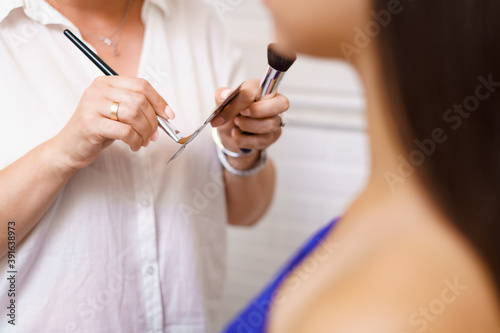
[123, 54]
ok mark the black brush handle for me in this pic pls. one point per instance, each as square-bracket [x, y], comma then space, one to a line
[108, 71]
[104, 67]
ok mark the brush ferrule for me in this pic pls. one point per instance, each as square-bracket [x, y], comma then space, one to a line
[271, 81]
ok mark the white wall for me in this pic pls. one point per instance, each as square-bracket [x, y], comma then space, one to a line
[313, 85]
[321, 159]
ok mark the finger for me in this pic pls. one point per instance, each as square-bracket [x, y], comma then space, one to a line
[221, 94]
[248, 94]
[267, 108]
[258, 125]
[256, 141]
[143, 87]
[134, 109]
[116, 130]
[226, 128]
[142, 104]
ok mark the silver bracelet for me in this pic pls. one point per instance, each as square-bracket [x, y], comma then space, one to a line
[218, 142]
[261, 163]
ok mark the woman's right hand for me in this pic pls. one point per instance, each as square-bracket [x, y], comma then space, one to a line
[91, 128]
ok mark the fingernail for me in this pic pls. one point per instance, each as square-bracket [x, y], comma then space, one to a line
[155, 136]
[246, 113]
[170, 113]
[217, 122]
[225, 93]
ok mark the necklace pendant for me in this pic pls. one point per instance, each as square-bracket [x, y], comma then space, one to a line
[106, 41]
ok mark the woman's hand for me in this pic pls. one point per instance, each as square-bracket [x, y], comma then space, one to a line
[91, 128]
[246, 123]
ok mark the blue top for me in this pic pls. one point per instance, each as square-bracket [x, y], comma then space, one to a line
[254, 318]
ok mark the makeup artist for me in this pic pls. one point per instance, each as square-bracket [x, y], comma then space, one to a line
[107, 237]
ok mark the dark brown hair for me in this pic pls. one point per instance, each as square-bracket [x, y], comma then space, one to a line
[441, 60]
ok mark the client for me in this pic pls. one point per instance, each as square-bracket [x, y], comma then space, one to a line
[418, 250]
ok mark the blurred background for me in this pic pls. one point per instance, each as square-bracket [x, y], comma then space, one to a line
[322, 157]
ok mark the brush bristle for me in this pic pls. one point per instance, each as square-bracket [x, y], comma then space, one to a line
[279, 58]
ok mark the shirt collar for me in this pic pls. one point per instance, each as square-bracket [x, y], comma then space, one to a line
[42, 12]
[6, 6]
[164, 5]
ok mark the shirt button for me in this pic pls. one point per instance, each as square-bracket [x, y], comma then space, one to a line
[150, 270]
[146, 202]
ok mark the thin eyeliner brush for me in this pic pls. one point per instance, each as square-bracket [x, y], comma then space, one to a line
[104, 67]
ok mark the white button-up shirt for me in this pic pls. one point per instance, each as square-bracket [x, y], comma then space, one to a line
[130, 244]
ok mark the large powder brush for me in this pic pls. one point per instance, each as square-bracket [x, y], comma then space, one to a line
[280, 60]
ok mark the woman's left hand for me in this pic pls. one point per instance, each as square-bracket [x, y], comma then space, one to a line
[246, 123]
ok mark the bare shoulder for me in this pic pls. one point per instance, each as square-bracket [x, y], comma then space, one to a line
[424, 282]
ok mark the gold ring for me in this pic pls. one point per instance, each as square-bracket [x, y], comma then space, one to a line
[114, 110]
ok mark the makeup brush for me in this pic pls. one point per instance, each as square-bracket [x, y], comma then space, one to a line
[280, 60]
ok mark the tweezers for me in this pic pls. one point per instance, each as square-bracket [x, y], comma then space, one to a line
[185, 140]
